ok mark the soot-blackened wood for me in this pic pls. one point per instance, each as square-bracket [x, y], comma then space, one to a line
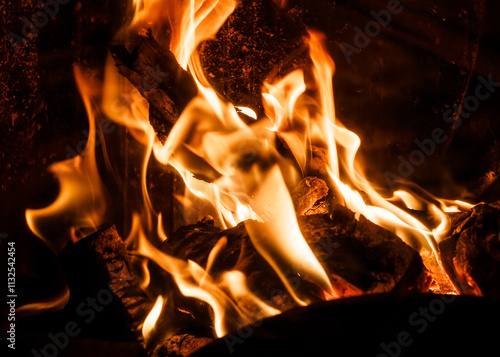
[255, 44]
[471, 255]
[110, 252]
[366, 256]
[196, 241]
[359, 256]
[155, 72]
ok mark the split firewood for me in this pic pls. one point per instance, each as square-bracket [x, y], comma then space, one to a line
[309, 197]
[363, 254]
[471, 255]
[101, 261]
[108, 244]
[359, 256]
[195, 242]
[154, 71]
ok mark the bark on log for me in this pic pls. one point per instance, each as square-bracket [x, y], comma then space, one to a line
[122, 282]
[471, 255]
[107, 260]
[154, 71]
[359, 256]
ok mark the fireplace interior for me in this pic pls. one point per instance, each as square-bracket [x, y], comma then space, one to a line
[176, 186]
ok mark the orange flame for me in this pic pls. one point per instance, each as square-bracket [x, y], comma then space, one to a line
[233, 165]
[152, 317]
[80, 208]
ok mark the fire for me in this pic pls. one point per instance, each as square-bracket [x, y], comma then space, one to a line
[80, 208]
[153, 316]
[206, 146]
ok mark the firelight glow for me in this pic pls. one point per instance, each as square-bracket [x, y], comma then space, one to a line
[245, 178]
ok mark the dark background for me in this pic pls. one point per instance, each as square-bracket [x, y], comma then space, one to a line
[393, 92]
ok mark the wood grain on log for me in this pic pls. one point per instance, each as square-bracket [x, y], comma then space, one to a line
[154, 71]
[359, 256]
[110, 247]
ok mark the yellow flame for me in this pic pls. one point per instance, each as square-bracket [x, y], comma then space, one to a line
[54, 304]
[152, 317]
[194, 281]
[279, 239]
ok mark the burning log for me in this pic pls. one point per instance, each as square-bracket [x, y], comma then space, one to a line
[180, 345]
[195, 242]
[105, 252]
[471, 255]
[359, 256]
[154, 71]
[363, 254]
[318, 162]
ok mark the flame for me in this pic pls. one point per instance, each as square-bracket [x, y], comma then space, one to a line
[80, 207]
[279, 239]
[152, 317]
[225, 297]
[54, 304]
[231, 164]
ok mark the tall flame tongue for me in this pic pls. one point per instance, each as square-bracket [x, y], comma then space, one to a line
[81, 205]
[290, 110]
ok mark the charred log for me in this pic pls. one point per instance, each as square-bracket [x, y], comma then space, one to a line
[366, 256]
[359, 256]
[107, 265]
[318, 161]
[154, 71]
[471, 256]
[257, 43]
[195, 242]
